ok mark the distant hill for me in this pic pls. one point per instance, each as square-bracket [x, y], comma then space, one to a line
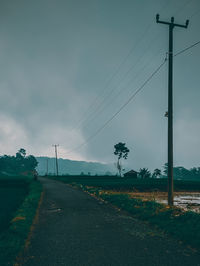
[71, 167]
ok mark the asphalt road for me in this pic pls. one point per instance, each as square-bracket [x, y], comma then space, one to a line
[75, 229]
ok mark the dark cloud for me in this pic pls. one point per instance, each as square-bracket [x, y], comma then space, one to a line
[56, 57]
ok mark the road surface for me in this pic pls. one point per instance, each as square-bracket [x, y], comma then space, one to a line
[75, 229]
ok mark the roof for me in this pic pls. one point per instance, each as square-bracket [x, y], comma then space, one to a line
[131, 172]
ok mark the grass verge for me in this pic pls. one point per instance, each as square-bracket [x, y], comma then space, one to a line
[13, 240]
[182, 225]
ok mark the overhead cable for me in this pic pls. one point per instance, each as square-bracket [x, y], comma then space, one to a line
[121, 108]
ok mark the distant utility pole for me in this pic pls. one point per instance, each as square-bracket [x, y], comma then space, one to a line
[170, 105]
[47, 166]
[56, 145]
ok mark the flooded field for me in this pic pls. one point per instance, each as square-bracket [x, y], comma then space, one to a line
[189, 201]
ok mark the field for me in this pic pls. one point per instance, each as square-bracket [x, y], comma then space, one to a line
[19, 198]
[129, 184]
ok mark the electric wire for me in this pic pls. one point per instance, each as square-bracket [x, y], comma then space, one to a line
[180, 52]
[91, 116]
[122, 107]
[83, 119]
[100, 111]
[187, 48]
[131, 98]
[106, 86]
[106, 103]
[124, 61]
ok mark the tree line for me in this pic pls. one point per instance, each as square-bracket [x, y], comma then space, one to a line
[19, 164]
[121, 151]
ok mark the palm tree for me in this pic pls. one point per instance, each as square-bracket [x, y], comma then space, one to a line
[144, 173]
[156, 173]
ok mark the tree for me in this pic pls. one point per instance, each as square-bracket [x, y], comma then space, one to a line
[144, 173]
[156, 173]
[195, 173]
[16, 165]
[165, 171]
[30, 162]
[21, 153]
[122, 152]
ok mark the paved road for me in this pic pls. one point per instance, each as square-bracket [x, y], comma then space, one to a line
[75, 229]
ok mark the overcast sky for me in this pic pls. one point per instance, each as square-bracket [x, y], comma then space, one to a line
[67, 66]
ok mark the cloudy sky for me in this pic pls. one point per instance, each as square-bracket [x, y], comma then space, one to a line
[67, 66]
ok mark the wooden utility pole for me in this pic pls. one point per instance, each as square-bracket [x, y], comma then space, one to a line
[47, 167]
[56, 157]
[171, 25]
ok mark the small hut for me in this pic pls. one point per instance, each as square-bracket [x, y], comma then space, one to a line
[131, 174]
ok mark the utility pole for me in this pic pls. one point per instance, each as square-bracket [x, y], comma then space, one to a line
[171, 25]
[56, 145]
[47, 166]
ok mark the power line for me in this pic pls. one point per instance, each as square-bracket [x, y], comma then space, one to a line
[111, 78]
[121, 64]
[103, 92]
[82, 120]
[180, 52]
[122, 107]
[131, 98]
[187, 48]
[101, 110]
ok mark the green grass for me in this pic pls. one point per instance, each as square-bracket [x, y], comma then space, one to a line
[182, 225]
[129, 184]
[19, 202]
[10, 200]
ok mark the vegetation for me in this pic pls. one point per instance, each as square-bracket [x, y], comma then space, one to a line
[144, 173]
[122, 152]
[18, 202]
[182, 225]
[116, 183]
[156, 173]
[18, 165]
[12, 194]
[185, 174]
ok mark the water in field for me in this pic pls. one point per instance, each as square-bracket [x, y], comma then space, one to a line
[189, 201]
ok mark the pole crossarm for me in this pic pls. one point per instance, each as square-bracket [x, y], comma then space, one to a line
[172, 22]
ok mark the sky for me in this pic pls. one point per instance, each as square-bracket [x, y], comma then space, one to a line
[67, 66]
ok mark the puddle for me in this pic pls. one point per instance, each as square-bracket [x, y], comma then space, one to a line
[188, 202]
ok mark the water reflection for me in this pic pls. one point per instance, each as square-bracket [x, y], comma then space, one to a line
[187, 201]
